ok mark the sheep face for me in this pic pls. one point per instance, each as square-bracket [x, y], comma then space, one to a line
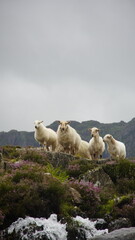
[94, 131]
[107, 138]
[37, 124]
[63, 126]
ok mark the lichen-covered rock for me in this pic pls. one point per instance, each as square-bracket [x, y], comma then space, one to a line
[98, 177]
[59, 159]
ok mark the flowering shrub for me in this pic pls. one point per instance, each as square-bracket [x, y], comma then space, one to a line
[73, 167]
[33, 156]
[10, 151]
[26, 189]
[85, 185]
[73, 170]
[18, 164]
[79, 167]
[90, 196]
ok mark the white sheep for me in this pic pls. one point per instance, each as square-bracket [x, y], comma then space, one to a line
[116, 149]
[96, 144]
[45, 136]
[84, 150]
[68, 138]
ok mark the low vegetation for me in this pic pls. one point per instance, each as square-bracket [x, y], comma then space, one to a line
[30, 185]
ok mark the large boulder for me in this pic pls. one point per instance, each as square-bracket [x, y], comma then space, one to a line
[120, 234]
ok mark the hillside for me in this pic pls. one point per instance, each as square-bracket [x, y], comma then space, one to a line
[122, 131]
[46, 195]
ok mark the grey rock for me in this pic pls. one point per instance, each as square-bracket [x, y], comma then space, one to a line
[101, 224]
[119, 223]
[120, 234]
[59, 159]
[98, 177]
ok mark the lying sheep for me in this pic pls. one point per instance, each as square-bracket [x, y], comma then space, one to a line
[96, 144]
[84, 150]
[45, 136]
[68, 138]
[116, 149]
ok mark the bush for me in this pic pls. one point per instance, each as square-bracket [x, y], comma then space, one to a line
[123, 175]
[10, 152]
[127, 211]
[125, 186]
[90, 196]
[122, 169]
[28, 191]
[78, 167]
[33, 156]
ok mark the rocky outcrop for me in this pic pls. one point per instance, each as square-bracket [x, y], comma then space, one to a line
[98, 177]
[120, 234]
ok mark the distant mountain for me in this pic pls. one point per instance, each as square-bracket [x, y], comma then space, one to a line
[17, 138]
[122, 131]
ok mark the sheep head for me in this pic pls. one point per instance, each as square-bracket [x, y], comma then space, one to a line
[37, 123]
[63, 125]
[94, 131]
[108, 138]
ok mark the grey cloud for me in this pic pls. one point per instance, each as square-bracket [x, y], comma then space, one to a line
[67, 53]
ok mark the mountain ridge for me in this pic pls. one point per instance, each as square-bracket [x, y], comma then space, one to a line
[122, 131]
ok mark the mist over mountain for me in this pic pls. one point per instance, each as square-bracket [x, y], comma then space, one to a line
[122, 131]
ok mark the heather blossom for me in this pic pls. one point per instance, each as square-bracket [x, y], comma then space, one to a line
[74, 167]
[85, 185]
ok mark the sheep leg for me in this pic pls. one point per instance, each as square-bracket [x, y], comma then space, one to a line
[92, 156]
[47, 146]
[54, 147]
[72, 150]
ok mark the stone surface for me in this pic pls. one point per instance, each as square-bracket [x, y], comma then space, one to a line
[98, 177]
[120, 234]
[59, 159]
[119, 223]
[76, 197]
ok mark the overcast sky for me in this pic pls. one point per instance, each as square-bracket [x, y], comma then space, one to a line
[66, 60]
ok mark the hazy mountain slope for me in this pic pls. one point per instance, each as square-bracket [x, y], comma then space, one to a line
[122, 131]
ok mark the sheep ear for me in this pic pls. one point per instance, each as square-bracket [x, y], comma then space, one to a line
[109, 136]
[89, 129]
[68, 122]
[98, 129]
[59, 121]
[41, 121]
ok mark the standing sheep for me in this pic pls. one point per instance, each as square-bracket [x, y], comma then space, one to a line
[68, 138]
[116, 149]
[96, 144]
[45, 136]
[84, 150]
